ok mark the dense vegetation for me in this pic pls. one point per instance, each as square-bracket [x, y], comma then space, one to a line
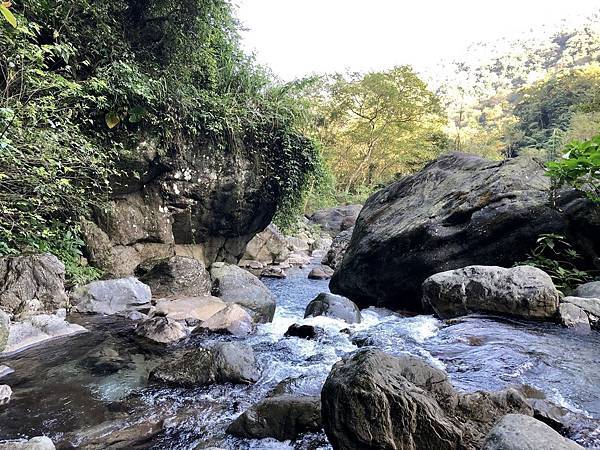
[82, 83]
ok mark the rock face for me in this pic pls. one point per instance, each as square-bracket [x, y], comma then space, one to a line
[175, 276]
[337, 219]
[232, 319]
[161, 330]
[460, 210]
[374, 400]
[32, 284]
[198, 198]
[232, 362]
[572, 316]
[335, 306]
[521, 291]
[233, 284]
[519, 432]
[269, 247]
[338, 248]
[588, 290]
[283, 417]
[112, 296]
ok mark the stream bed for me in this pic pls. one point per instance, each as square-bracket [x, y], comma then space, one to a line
[56, 392]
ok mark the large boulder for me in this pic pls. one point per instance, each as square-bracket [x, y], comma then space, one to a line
[520, 432]
[282, 417]
[233, 284]
[32, 284]
[460, 210]
[161, 330]
[522, 291]
[269, 246]
[334, 306]
[233, 319]
[588, 290]
[225, 362]
[338, 248]
[175, 276]
[112, 296]
[189, 308]
[374, 400]
[336, 219]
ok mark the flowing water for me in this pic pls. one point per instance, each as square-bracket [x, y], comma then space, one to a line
[58, 393]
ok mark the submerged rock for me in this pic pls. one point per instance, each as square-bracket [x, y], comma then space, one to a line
[375, 400]
[161, 330]
[175, 276]
[321, 273]
[112, 296]
[36, 443]
[283, 417]
[334, 306]
[522, 291]
[572, 316]
[458, 211]
[233, 284]
[225, 362]
[233, 319]
[520, 432]
[32, 284]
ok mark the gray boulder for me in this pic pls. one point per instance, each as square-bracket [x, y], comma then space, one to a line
[36, 443]
[374, 400]
[112, 296]
[335, 306]
[4, 330]
[336, 219]
[233, 284]
[283, 417]
[338, 248]
[522, 291]
[591, 306]
[269, 246]
[190, 309]
[591, 289]
[320, 273]
[175, 276]
[572, 316]
[225, 362]
[233, 319]
[520, 432]
[32, 284]
[460, 210]
[162, 330]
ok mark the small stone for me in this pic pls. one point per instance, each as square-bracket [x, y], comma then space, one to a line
[5, 394]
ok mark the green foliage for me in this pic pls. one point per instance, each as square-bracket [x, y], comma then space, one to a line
[82, 83]
[555, 256]
[579, 167]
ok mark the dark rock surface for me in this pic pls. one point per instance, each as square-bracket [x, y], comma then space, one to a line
[303, 331]
[338, 248]
[281, 417]
[161, 330]
[175, 276]
[460, 210]
[335, 306]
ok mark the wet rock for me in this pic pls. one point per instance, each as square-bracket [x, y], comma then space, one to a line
[273, 272]
[231, 320]
[235, 285]
[338, 248]
[590, 290]
[572, 316]
[375, 400]
[112, 296]
[336, 219]
[458, 211]
[519, 432]
[36, 443]
[40, 328]
[161, 330]
[591, 306]
[231, 362]
[119, 434]
[335, 306]
[522, 291]
[4, 330]
[552, 415]
[176, 276]
[5, 394]
[269, 247]
[304, 385]
[321, 273]
[283, 417]
[32, 284]
[189, 308]
[303, 331]
[105, 361]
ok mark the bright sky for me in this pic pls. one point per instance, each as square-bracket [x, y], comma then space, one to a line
[299, 37]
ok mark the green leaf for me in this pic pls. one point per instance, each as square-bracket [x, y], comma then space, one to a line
[112, 119]
[10, 18]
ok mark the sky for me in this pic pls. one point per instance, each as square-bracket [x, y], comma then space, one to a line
[299, 37]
